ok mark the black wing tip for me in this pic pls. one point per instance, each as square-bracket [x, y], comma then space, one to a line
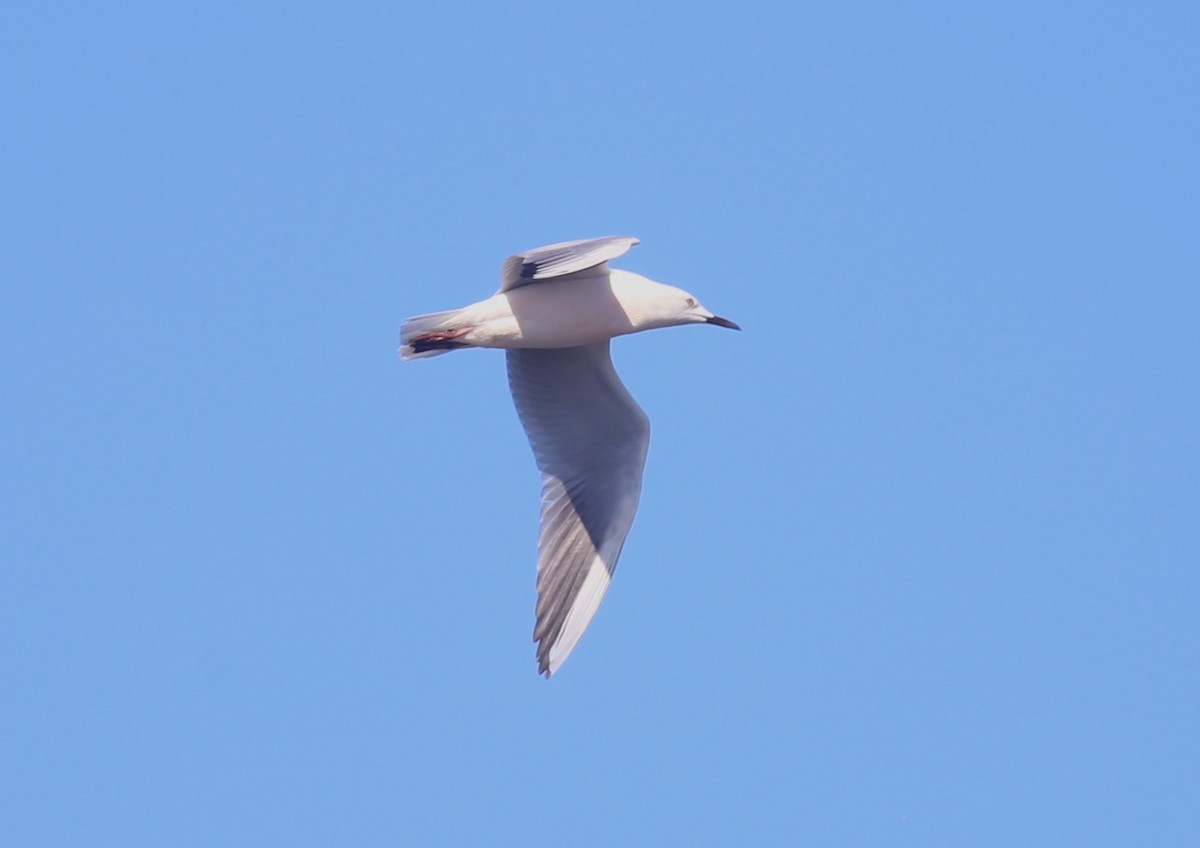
[543, 661]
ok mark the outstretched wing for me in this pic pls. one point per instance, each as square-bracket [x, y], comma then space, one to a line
[557, 260]
[590, 438]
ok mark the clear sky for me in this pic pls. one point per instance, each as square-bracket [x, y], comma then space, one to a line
[918, 556]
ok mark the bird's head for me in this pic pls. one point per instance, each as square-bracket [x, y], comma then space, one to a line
[659, 305]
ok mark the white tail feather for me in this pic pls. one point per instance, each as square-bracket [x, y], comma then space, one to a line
[420, 325]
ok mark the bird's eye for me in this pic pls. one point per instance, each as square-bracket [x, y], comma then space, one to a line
[691, 301]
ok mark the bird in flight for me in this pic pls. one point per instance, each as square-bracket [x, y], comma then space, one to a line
[557, 308]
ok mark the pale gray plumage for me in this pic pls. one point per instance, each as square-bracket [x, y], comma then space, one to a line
[590, 438]
[558, 260]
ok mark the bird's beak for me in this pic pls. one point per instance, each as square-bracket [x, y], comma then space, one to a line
[722, 322]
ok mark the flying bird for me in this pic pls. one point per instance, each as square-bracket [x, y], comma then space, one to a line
[557, 308]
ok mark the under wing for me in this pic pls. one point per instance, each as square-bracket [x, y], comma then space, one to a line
[589, 438]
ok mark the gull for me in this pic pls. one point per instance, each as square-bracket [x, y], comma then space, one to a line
[557, 308]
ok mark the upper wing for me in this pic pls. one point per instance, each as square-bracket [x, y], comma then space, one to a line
[590, 438]
[556, 260]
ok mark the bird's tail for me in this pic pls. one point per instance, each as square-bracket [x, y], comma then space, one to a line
[432, 334]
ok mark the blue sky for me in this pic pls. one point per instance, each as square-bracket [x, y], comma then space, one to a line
[916, 561]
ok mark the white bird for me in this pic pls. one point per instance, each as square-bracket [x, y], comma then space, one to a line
[554, 314]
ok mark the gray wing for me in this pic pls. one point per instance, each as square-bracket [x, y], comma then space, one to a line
[557, 260]
[589, 437]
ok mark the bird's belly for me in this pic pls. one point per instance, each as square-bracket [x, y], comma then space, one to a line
[556, 314]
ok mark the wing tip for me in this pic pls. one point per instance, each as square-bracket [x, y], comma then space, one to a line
[556, 643]
[543, 660]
